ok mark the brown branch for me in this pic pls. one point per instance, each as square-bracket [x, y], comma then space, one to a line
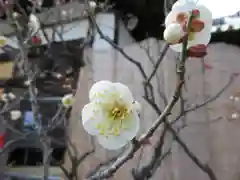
[107, 173]
[84, 156]
[148, 52]
[204, 167]
[136, 144]
[166, 112]
[209, 100]
[64, 170]
[181, 72]
[115, 46]
[231, 80]
[146, 171]
[160, 160]
[160, 59]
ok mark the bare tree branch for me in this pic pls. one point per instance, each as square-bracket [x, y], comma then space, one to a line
[160, 59]
[209, 100]
[147, 171]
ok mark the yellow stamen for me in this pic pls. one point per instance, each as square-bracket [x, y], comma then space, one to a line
[117, 115]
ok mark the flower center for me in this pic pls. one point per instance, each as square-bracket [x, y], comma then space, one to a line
[118, 112]
[116, 120]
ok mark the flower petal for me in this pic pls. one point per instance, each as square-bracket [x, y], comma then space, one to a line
[171, 17]
[183, 8]
[125, 93]
[100, 89]
[92, 115]
[205, 14]
[173, 33]
[132, 127]
[202, 37]
[182, 3]
[112, 142]
[181, 17]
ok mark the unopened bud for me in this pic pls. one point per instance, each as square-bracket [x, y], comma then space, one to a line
[173, 33]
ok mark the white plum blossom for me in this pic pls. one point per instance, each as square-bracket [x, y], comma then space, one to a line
[34, 23]
[67, 100]
[15, 114]
[6, 97]
[111, 115]
[201, 25]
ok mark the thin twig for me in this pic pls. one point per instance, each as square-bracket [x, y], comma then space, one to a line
[160, 59]
[204, 167]
[146, 171]
[209, 100]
